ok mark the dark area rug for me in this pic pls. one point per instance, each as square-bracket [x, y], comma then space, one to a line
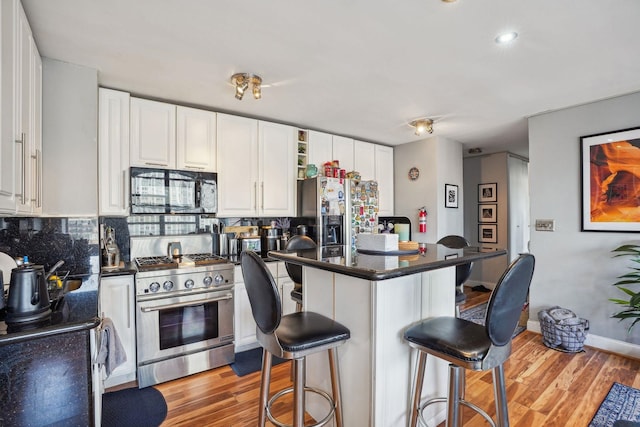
[621, 408]
[247, 362]
[476, 315]
[133, 407]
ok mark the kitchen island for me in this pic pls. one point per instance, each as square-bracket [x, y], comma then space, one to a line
[377, 297]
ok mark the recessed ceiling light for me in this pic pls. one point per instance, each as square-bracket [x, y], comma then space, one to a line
[506, 37]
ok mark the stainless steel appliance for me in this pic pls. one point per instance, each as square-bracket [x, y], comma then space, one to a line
[28, 299]
[160, 191]
[322, 200]
[184, 308]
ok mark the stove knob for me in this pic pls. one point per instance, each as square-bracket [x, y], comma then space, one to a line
[207, 281]
[168, 285]
[189, 284]
[219, 279]
[154, 287]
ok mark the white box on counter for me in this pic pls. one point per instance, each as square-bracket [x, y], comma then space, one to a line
[383, 242]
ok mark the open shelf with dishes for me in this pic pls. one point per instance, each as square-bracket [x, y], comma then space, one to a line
[303, 149]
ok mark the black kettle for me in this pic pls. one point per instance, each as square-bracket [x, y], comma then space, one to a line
[28, 298]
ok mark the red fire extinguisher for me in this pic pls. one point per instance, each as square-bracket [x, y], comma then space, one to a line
[422, 220]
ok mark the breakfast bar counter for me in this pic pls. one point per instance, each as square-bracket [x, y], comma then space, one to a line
[377, 297]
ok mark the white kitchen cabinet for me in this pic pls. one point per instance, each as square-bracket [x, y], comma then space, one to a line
[256, 167]
[320, 148]
[384, 176]
[364, 159]
[343, 151]
[195, 139]
[277, 153]
[117, 303]
[153, 134]
[113, 152]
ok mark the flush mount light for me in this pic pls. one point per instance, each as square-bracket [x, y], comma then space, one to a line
[242, 81]
[422, 126]
[505, 38]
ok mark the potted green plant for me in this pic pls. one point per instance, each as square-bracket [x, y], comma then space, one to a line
[632, 304]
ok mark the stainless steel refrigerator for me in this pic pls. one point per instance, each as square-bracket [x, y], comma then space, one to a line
[323, 200]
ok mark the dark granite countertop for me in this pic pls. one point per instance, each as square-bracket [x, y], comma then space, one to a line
[382, 267]
[77, 310]
[125, 269]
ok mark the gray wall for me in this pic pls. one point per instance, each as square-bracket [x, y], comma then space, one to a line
[440, 162]
[69, 139]
[575, 269]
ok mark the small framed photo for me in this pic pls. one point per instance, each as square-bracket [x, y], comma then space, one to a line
[488, 193]
[450, 196]
[488, 213]
[488, 233]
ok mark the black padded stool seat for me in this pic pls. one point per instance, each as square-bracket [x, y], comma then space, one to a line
[297, 242]
[292, 336]
[467, 345]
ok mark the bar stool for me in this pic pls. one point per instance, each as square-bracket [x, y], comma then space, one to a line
[297, 242]
[467, 345]
[293, 336]
[463, 271]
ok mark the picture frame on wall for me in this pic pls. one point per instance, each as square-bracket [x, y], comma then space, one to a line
[488, 233]
[488, 193]
[610, 182]
[450, 196]
[488, 213]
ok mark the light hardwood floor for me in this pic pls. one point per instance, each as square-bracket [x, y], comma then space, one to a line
[545, 387]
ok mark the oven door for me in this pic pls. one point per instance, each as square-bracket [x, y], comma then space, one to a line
[171, 326]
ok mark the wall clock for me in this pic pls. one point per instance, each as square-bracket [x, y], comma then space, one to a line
[414, 173]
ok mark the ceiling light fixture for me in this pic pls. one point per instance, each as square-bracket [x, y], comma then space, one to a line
[505, 38]
[422, 126]
[242, 82]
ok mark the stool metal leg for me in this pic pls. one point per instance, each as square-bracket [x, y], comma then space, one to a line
[335, 385]
[500, 395]
[298, 392]
[453, 399]
[421, 362]
[264, 387]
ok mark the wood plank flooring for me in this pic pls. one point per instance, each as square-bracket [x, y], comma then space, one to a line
[545, 388]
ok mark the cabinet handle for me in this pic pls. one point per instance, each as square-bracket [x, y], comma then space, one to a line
[38, 178]
[262, 195]
[124, 189]
[24, 167]
[255, 195]
[194, 167]
[155, 164]
[128, 311]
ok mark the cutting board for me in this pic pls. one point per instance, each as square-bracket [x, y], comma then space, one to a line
[7, 264]
[238, 229]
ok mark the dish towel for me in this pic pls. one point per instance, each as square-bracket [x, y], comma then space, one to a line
[111, 354]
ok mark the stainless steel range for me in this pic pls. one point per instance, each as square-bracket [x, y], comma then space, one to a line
[184, 307]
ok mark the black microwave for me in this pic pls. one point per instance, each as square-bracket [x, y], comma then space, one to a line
[165, 191]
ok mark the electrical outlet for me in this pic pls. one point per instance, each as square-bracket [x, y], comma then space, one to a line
[545, 225]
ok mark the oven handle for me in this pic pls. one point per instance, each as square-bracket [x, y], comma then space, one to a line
[186, 304]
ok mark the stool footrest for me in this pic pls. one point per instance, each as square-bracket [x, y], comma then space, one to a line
[314, 390]
[462, 402]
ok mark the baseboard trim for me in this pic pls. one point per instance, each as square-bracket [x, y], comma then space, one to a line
[601, 343]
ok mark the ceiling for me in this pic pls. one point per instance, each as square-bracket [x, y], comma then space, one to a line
[359, 68]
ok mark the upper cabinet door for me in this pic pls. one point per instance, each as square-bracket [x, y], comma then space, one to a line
[277, 168]
[113, 152]
[320, 148]
[384, 176]
[153, 134]
[364, 159]
[343, 152]
[237, 165]
[196, 139]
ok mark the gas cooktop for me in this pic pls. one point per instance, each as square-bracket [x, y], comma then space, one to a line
[150, 263]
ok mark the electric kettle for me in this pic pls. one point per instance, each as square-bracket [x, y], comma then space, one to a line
[28, 298]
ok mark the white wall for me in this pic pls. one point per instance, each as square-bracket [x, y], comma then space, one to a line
[440, 162]
[575, 269]
[69, 139]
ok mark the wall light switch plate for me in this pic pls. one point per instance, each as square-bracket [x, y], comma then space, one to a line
[545, 225]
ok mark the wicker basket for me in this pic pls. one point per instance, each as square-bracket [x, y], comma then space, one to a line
[563, 330]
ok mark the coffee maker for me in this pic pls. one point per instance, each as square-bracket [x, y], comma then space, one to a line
[28, 299]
